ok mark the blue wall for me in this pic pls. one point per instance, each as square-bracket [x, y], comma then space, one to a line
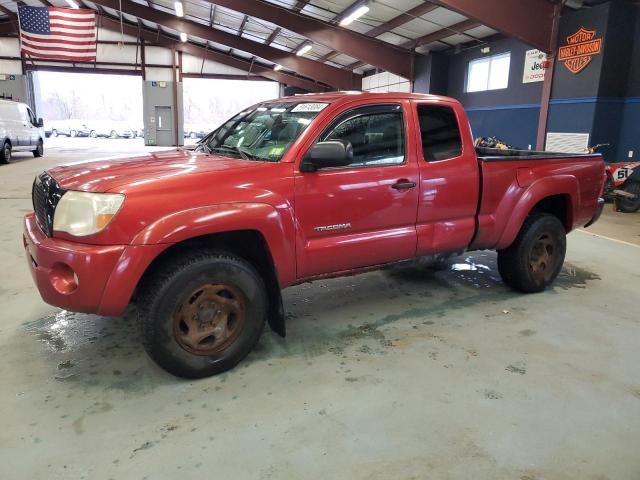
[602, 100]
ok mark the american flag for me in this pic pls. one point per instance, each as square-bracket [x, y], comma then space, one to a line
[58, 33]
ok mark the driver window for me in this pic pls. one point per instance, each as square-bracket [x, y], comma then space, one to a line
[375, 132]
[32, 117]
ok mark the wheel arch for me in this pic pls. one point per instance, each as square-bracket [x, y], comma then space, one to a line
[558, 196]
[250, 245]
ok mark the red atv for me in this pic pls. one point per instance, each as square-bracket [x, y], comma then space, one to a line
[623, 186]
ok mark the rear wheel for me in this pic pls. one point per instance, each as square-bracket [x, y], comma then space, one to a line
[6, 153]
[534, 260]
[54, 133]
[73, 133]
[202, 313]
[629, 205]
[113, 134]
[39, 151]
[93, 134]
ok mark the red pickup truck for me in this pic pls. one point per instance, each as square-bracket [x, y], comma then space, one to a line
[285, 192]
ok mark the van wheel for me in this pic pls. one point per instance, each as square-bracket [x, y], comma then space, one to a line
[39, 151]
[534, 260]
[6, 153]
[202, 313]
[629, 205]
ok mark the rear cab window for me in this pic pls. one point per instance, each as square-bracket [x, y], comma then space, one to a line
[439, 132]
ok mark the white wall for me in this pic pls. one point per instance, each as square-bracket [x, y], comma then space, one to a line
[385, 82]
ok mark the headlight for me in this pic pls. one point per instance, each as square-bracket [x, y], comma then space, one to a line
[83, 213]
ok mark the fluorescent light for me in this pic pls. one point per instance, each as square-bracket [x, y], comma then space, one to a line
[304, 49]
[179, 9]
[357, 13]
[72, 4]
[183, 37]
[277, 67]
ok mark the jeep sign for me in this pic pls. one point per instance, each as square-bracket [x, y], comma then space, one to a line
[535, 64]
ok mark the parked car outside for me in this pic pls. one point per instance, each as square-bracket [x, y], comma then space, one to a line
[20, 130]
[110, 129]
[196, 130]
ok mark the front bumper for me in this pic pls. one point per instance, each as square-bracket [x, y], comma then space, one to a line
[596, 216]
[85, 278]
[68, 275]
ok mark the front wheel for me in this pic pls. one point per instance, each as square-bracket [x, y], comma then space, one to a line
[202, 313]
[73, 133]
[534, 260]
[54, 133]
[113, 134]
[39, 151]
[629, 205]
[93, 134]
[6, 153]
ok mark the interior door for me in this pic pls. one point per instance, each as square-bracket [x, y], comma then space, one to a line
[363, 214]
[164, 126]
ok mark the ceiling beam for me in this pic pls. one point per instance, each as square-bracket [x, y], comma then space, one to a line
[333, 76]
[158, 39]
[371, 50]
[273, 36]
[530, 21]
[401, 19]
[300, 4]
[460, 27]
[395, 22]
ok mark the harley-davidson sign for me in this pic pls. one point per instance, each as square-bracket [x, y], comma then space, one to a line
[580, 47]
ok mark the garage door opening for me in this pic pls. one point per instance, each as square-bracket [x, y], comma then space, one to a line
[209, 102]
[89, 104]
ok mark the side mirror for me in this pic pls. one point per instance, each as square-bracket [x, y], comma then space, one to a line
[40, 123]
[328, 154]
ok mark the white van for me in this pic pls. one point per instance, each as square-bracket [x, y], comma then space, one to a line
[20, 131]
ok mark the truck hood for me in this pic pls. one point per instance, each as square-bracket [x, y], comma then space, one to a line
[108, 174]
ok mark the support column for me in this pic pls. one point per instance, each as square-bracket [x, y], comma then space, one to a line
[548, 81]
[162, 107]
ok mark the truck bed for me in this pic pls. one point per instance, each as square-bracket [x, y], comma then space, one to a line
[512, 181]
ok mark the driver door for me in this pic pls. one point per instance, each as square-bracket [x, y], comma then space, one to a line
[363, 214]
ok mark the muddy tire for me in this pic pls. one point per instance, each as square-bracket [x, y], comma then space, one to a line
[39, 151]
[5, 157]
[629, 205]
[201, 313]
[535, 258]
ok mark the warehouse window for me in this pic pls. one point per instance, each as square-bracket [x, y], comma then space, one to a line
[440, 133]
[489, 73]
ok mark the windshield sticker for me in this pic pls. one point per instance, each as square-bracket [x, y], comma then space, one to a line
[310, 107]
[275, 151]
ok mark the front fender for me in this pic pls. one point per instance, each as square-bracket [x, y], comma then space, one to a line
[275, 225]
[537, 191]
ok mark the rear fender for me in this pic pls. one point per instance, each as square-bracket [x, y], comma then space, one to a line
[537, 191]
[275, 225]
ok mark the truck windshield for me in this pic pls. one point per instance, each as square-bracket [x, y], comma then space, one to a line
[264, 132]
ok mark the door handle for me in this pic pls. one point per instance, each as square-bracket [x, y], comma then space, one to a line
[403, 185]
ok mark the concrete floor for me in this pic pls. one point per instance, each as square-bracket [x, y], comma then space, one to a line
[404, 374]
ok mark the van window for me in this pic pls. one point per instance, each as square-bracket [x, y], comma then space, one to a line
[440, 132]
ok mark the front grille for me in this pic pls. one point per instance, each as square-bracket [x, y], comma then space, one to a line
[45, 194]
